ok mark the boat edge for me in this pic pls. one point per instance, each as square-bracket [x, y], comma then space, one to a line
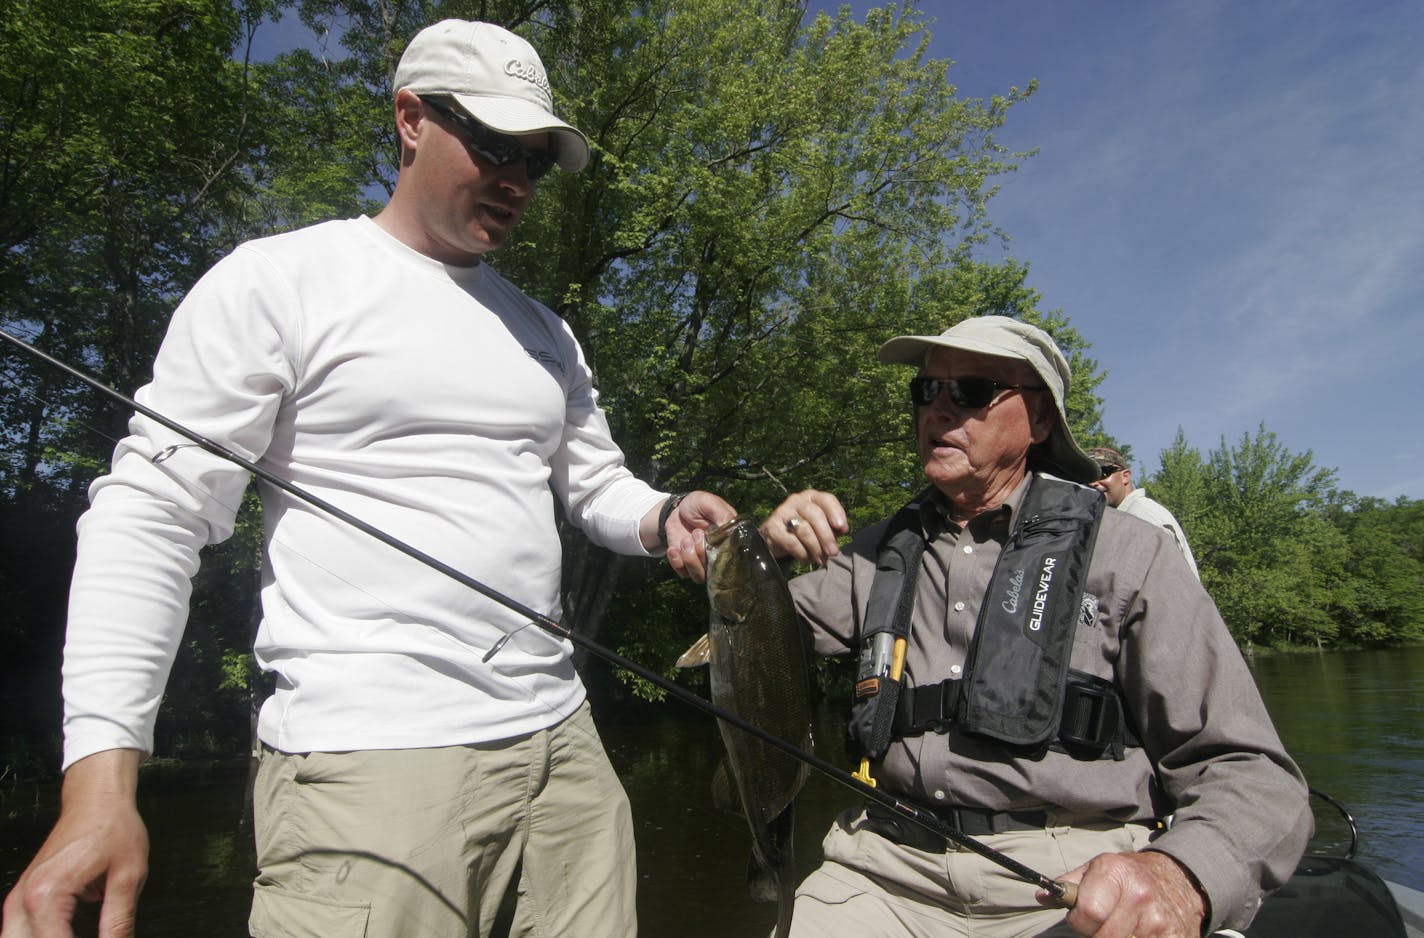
[1411, 907]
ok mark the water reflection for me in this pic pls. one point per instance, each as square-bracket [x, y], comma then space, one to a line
[1355, 723]
[1353, 720]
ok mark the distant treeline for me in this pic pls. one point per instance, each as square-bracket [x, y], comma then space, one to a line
[770, 197]
[1291, 559]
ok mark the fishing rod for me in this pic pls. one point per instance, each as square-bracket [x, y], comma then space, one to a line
[1064, 894]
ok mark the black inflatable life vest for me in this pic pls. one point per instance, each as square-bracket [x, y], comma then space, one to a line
[1017, 687]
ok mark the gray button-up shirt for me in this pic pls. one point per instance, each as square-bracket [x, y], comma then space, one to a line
[1210, 755]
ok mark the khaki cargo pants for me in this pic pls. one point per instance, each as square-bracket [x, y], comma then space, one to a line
[869, 887]
[425, 842]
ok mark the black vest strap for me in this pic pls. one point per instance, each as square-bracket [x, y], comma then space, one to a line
[887, 618]
[1093, 726]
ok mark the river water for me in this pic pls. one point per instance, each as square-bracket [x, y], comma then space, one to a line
[1354, 720]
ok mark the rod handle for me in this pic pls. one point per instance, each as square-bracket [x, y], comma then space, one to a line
[1069, 897]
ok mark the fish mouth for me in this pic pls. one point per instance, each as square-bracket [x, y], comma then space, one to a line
[725, 542]
[718, 536]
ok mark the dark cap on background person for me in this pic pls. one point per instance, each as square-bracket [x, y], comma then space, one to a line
[1108, 458]
[495, 76]
[1003, 337]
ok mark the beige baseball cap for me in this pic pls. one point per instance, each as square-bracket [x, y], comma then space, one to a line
[1004, 337]
[495, 76]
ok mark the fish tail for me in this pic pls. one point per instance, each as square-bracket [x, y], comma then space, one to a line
[786, 886]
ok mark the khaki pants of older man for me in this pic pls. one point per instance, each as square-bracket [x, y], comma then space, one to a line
[425, 842]
[869, 887]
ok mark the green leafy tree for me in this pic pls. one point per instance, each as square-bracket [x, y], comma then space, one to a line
[769, 199]
[1182, 483]
[1254, 515]
[1383, 604]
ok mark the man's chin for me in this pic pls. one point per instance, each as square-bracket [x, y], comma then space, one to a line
[945, 477]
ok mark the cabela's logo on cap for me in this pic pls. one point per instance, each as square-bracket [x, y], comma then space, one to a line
[530, 72]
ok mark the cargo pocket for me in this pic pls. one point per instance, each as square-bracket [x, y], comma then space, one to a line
[277, 913]
[826, 891]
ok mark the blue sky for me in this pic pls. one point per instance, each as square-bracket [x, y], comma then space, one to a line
[1228, 202]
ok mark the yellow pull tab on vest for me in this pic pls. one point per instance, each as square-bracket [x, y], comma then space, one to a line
[897, 667]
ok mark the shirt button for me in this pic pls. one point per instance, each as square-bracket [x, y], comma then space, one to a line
[959, 607]
[939, 795]
[969, 548]
[954, 669]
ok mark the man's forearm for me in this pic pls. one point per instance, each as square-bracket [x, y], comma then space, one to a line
[111, 774]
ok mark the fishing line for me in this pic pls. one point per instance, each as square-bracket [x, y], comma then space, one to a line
[1064, 893]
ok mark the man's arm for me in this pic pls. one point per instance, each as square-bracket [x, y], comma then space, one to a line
[1240, 809]
[98, 851]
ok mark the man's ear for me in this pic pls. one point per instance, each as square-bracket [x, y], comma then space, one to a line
[1043, 417]
[410, 115]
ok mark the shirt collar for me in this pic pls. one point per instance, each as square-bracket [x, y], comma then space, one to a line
[996, 522]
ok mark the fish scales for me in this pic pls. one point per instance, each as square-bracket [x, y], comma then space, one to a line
[757, 658]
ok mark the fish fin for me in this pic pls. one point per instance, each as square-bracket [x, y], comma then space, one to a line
[772, 878]
[733, 605]
[698, 655]
[724, 791]
[762, 882]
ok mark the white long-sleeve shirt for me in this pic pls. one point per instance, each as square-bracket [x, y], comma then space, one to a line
[440, 405]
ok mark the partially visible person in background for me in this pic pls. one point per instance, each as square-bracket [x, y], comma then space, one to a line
[1116, 484]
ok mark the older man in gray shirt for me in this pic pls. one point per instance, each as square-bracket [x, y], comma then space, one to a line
[1060, 686]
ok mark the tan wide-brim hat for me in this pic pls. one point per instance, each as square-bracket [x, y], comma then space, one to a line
[497, 78]
[1003, 337]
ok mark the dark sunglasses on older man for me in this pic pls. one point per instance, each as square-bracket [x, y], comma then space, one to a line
[492, 146]
[969, 393]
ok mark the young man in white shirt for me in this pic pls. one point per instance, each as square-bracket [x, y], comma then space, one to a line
[423, 741]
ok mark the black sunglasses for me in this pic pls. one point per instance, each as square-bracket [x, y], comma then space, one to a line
[492, 146]
[1109, 470]
[969, 393]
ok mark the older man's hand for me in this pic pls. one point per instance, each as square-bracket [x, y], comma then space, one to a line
[805, 527]
[1135, 895]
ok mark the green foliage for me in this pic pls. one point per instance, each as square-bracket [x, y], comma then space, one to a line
[1274, 561]
[1384, 567]
[1287, 558]
[765, 206]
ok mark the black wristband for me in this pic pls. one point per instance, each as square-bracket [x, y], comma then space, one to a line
[669, 507]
